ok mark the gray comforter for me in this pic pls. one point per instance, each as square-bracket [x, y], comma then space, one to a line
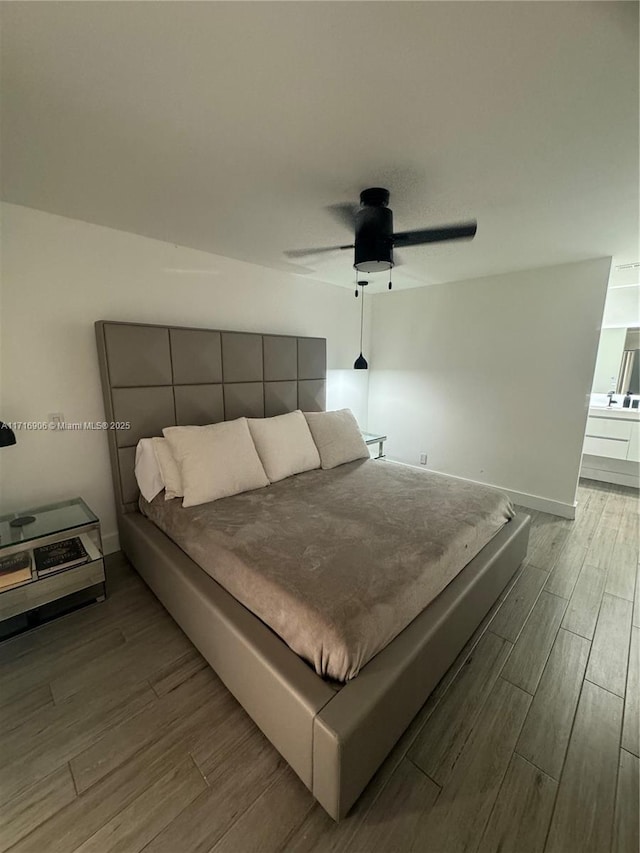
[338, 562]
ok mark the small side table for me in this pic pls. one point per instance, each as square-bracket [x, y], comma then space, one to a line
[19, 604]
[375, 438]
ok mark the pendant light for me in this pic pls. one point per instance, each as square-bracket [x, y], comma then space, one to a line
[361, 362]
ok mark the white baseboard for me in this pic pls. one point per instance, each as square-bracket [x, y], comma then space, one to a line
[110, 542]
[553, 507]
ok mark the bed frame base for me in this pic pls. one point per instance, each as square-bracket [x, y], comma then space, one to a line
[334, 740]
[156, 376]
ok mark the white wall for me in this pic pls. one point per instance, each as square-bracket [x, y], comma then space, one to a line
[609, 359]
[60, 275]
[491, 376]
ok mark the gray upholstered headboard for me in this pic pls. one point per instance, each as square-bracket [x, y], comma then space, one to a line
[157, 376]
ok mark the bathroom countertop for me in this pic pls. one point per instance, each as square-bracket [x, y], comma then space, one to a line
[615, 412]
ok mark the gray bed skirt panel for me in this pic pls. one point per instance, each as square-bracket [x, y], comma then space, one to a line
[334, 741]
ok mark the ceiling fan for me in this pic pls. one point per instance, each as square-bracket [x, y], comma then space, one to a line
[372, 222]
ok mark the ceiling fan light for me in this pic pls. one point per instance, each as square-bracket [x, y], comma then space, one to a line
[373, 266]
[360, 363]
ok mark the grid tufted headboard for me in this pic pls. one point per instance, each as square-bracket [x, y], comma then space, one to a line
[158, 376]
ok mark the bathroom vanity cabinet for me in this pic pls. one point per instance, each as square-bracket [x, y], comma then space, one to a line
[611, 450]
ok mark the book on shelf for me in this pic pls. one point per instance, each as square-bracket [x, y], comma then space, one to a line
[15, 569]
[60, 555]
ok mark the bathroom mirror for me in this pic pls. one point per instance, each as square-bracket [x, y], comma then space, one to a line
[629, 374]
[618, 361]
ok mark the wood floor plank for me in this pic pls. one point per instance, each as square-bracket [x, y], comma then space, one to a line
[265, 826]
[137, 824]
[631, 722]
[120, 742]
[545, 735]
[134, 661]
[245, 775]
[610, 648]
[510, 618]
[529, 656]
[629, 528]
[35, 751]
[438, 746]
[600, 550]
[582, 613]
[522, 812]
[233, 726]
[623, 500]
[53, 722]
[583, 495]
[177, 671]
[32, 671]
[583, 816]
[62, 634]
[34, 806]
[610, 519]
[598, 495]
[16, 710]
[399, 811]
[626, 833]
[621, 578]
[547, 539]
[457, 820]
[87, 813]
[584, 526]
[562, 579]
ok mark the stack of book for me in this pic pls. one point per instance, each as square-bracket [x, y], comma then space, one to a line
[15, 570]
[59, 556]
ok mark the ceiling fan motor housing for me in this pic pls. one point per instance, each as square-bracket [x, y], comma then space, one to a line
[374, 232]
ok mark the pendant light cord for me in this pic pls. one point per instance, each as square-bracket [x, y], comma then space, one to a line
[361, 318]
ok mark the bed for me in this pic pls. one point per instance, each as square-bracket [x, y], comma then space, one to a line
[333, 734]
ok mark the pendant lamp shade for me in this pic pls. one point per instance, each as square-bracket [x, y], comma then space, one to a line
[360, 363]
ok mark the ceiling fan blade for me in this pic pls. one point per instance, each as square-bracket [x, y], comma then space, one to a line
[303, 253]
[436, 235]
[344, 213]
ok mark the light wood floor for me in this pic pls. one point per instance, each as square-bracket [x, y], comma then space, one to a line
[117, 737]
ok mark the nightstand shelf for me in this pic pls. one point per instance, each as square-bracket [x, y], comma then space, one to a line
[53, 523]
[372, 438]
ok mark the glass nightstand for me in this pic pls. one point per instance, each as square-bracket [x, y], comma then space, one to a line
[30, 600]
[375, 438]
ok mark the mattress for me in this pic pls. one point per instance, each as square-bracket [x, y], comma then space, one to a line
[338, 562]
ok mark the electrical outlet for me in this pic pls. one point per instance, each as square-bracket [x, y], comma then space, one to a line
[423, 458]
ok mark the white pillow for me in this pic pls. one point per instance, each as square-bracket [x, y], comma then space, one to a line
[337, 437]
[216, 461]
[147, 471]
[284, 445]
[168, 468]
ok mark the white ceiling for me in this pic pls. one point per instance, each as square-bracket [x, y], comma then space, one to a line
[230, 127]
